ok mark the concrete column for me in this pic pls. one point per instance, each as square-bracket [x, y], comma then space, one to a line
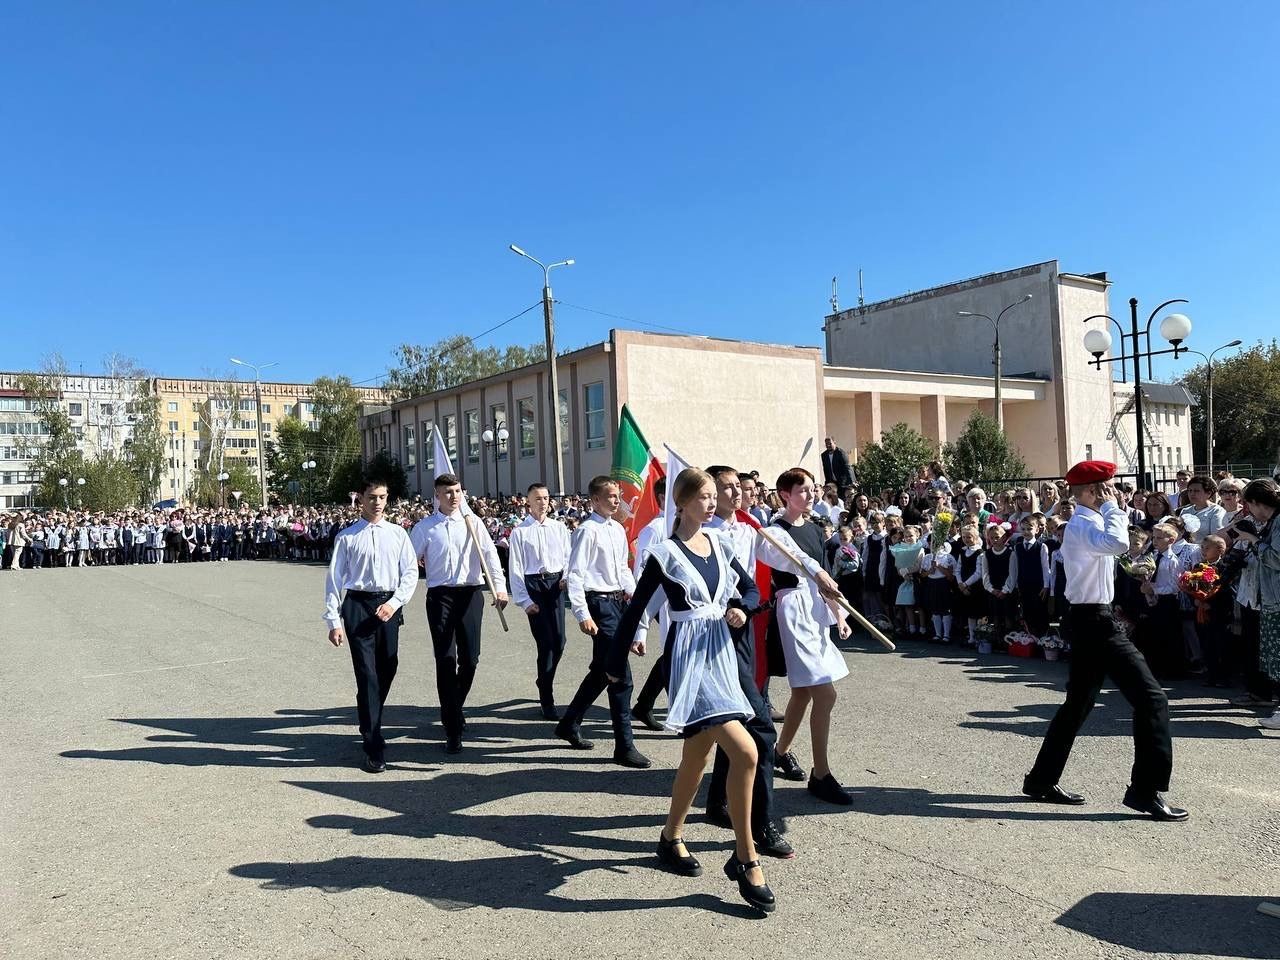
[866, 418]
[933, 418]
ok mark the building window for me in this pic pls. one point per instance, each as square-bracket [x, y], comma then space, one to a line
[75, 409]
[528, 428]
[1169, 455]
[451, 436]
[173, 426]
[498, 420]
[428, 446]
[266, 408]
[471, 430]
[593, 412]
[1179, 452]
[410, 449]
[107, 409]
[173, 406]
[564, 421]
[266, 428]
[1088, 451]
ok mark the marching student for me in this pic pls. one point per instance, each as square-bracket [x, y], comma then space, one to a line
[371, 577]
[538, 552]
[455, 599]
[600, 581]
[653, 533]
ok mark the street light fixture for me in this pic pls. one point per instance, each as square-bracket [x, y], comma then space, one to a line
[257, 398]
[307, 467]
[488, 436]
[80, 494]
[222, 479]
[553, 382]
[1175, 328]
[66, 502]
[1208, 363]
[996, 349]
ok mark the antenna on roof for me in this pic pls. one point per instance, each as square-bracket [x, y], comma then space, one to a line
[861, 300]
[835, 300]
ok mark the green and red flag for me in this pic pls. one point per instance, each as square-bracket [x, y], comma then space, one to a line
[636, 469]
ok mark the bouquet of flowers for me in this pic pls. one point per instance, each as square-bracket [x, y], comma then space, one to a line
[1051, 641]
[906, 556]
[1020, 643]
[1140, 568]
[1201, 582]
[941, 531]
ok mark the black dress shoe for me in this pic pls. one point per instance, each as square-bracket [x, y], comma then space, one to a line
[645, 716]
[373, 766]
[1154, 805]
[686, 866]
[571, 736]
[772, 843]
[719, 815]
[1053, 794]
[760, 897]
[549, 712]
[453, 745]
[631, 757]
[829, 789]
[786, 766]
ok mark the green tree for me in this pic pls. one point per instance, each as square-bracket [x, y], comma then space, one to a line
[421, 369]
[982, 453]
[293, 446]
[145, 450]
[337, 412]
[386, 468]
[1246, 407]
[894, 461]
[206, 491]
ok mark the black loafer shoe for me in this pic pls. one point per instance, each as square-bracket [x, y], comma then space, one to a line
[631, 757]
[453, 745]
[772, 843]
[686, 865]
[1054, 794]
[719, 815]
[1155, 806]
[786, 766]
[829, 789]
[760, 897]
[571, 736]
[373, 766]
[645, 716]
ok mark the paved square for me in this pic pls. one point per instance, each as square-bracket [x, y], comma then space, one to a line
[180, 782]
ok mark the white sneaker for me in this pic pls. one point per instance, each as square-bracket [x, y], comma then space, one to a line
[1272, 722]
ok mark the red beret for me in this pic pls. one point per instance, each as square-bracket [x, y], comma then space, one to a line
[1091, 471]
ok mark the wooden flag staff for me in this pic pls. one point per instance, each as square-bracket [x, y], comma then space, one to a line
[484, 569]
[840, 600]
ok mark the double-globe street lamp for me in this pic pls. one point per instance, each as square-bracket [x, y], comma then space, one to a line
[489, 436]
[1175, 328]
[553, 382]
[996, 348]
[307, 467]
[223, 477]
[1208, 378]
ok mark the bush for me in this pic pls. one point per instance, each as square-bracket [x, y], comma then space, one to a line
[982, 454]
[895, 460]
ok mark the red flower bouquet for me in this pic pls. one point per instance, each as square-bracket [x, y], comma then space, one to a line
[1201, 582]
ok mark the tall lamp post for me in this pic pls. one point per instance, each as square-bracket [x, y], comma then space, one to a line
[80, 494]
[257, 399]
[1208, 377]
[996, 349]
[223, 477]
[1175, 328]
[489, 436]
[66, 500]
[553, 382]
[308, 466]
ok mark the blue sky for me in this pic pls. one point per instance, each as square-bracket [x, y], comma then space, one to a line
[314, 182]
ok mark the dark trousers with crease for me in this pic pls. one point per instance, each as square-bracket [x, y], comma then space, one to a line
[606, 612]
[762, 731]
[453, 617]
[654, 684]
[1100, 650]
[374, 657]
[548, 630]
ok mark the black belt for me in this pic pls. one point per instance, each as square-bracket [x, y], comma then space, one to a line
[557, 577]
[618, 595]
[379, 596]
[455, 587]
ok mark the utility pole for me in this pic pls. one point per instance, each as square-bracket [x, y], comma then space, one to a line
[257, 399]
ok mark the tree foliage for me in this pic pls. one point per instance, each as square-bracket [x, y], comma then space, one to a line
[446, 363]
[982, 453]
[894, 461]
[337, 441]
[146, 448]
[1246, 407]
[207, 491]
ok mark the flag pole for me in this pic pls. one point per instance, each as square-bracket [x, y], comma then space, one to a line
[484, 570]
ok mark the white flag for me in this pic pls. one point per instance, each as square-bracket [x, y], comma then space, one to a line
[443, 466]
[675, 463]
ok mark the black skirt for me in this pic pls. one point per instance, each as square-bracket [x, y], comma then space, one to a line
[934, 595]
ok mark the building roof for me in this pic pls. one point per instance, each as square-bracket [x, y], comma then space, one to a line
[1174, 393]
[946, 288]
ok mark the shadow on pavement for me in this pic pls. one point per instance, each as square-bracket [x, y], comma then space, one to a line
[1113, 717]
[1180, 923]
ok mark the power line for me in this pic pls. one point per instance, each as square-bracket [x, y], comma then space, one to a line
[616, 316]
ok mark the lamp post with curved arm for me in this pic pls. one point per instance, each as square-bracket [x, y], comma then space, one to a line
[996, 350]
[1208, 377]
[257, 398]
[1175, 328]
[553, 382]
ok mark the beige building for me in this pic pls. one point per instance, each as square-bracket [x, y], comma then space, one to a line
[749, 404]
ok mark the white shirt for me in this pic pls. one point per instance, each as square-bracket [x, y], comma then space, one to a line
[1046, 575]
[831, 511]
[1090, 544]
[1212, 518]
[535, 547]
[441, 542]
[653, 532]
[1168, 568]
[741, 539]
[936, 565]
[598, 563]
[369, 556]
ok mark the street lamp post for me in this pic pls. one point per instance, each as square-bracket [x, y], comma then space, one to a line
[1175, 328]
[553, 382]
[66, 500]
[1208, 377]
[308, 466]
[996, 348]
[488, 437]
[257, 399]
[80, 493]
[222, 496]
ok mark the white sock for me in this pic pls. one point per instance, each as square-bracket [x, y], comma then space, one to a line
[947, 621]
[973, 630]
[937, 625]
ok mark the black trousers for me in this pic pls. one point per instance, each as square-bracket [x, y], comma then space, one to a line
[1256, 680]
[548, 630]
[762, 731]
[1035, 612]
[1102, 650]
[606, 612]
[374, 657]
[453, 616]
[654, 684]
